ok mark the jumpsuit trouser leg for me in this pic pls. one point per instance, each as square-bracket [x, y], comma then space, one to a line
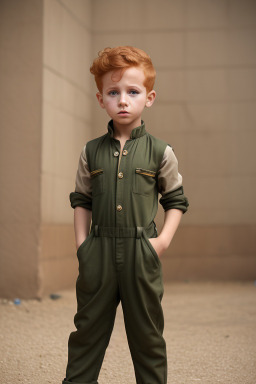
[141, 290]
[111, 269]
[97, 300]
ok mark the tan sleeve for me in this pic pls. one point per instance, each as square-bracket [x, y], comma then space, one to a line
[83, 177]
[169, 178]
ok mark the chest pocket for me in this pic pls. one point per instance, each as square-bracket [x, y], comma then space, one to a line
[144, 181]
[97, 177]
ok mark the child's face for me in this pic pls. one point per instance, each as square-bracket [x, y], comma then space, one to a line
[125, 99]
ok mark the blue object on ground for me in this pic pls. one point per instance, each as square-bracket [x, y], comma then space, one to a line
[17, 301]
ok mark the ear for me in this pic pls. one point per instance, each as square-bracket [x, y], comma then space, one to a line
[150, 98]
[100, 99]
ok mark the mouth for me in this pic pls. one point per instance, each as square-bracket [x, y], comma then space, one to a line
[123, 113]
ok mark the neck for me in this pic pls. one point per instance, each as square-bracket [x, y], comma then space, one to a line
[124, 132]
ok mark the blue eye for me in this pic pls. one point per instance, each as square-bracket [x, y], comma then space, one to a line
[112, 93]
[133, 92]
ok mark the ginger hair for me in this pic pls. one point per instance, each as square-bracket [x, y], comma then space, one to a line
[122, 58]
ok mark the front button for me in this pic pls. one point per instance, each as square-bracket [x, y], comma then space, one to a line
[116, 154]
[119, 207]
[125, 152]
[120, 175]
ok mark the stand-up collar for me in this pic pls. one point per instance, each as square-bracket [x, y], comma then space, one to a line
[135, 134]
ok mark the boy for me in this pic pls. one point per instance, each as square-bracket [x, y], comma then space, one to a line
[118, 179]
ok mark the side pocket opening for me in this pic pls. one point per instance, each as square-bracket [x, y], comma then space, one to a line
[151, 248]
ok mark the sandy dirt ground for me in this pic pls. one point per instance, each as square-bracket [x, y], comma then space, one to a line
[210, 330]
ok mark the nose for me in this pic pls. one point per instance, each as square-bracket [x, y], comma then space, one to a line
[123, 100]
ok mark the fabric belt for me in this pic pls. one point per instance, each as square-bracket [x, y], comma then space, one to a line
[123, 231]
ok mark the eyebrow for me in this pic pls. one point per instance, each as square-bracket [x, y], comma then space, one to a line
[112, 87]
[116, 86]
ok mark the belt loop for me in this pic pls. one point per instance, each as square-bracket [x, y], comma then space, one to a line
[139, 232]
[96, 230]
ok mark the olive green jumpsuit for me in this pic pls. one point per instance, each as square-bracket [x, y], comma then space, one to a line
[117, 262]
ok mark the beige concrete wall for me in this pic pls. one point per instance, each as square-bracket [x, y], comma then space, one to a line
[20, 146]
[205, 55]
[45, 121]
[66, 127]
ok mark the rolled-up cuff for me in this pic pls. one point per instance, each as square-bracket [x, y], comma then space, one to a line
[175, 200]
[80, 200]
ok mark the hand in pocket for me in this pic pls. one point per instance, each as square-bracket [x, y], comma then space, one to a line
[158, 245]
